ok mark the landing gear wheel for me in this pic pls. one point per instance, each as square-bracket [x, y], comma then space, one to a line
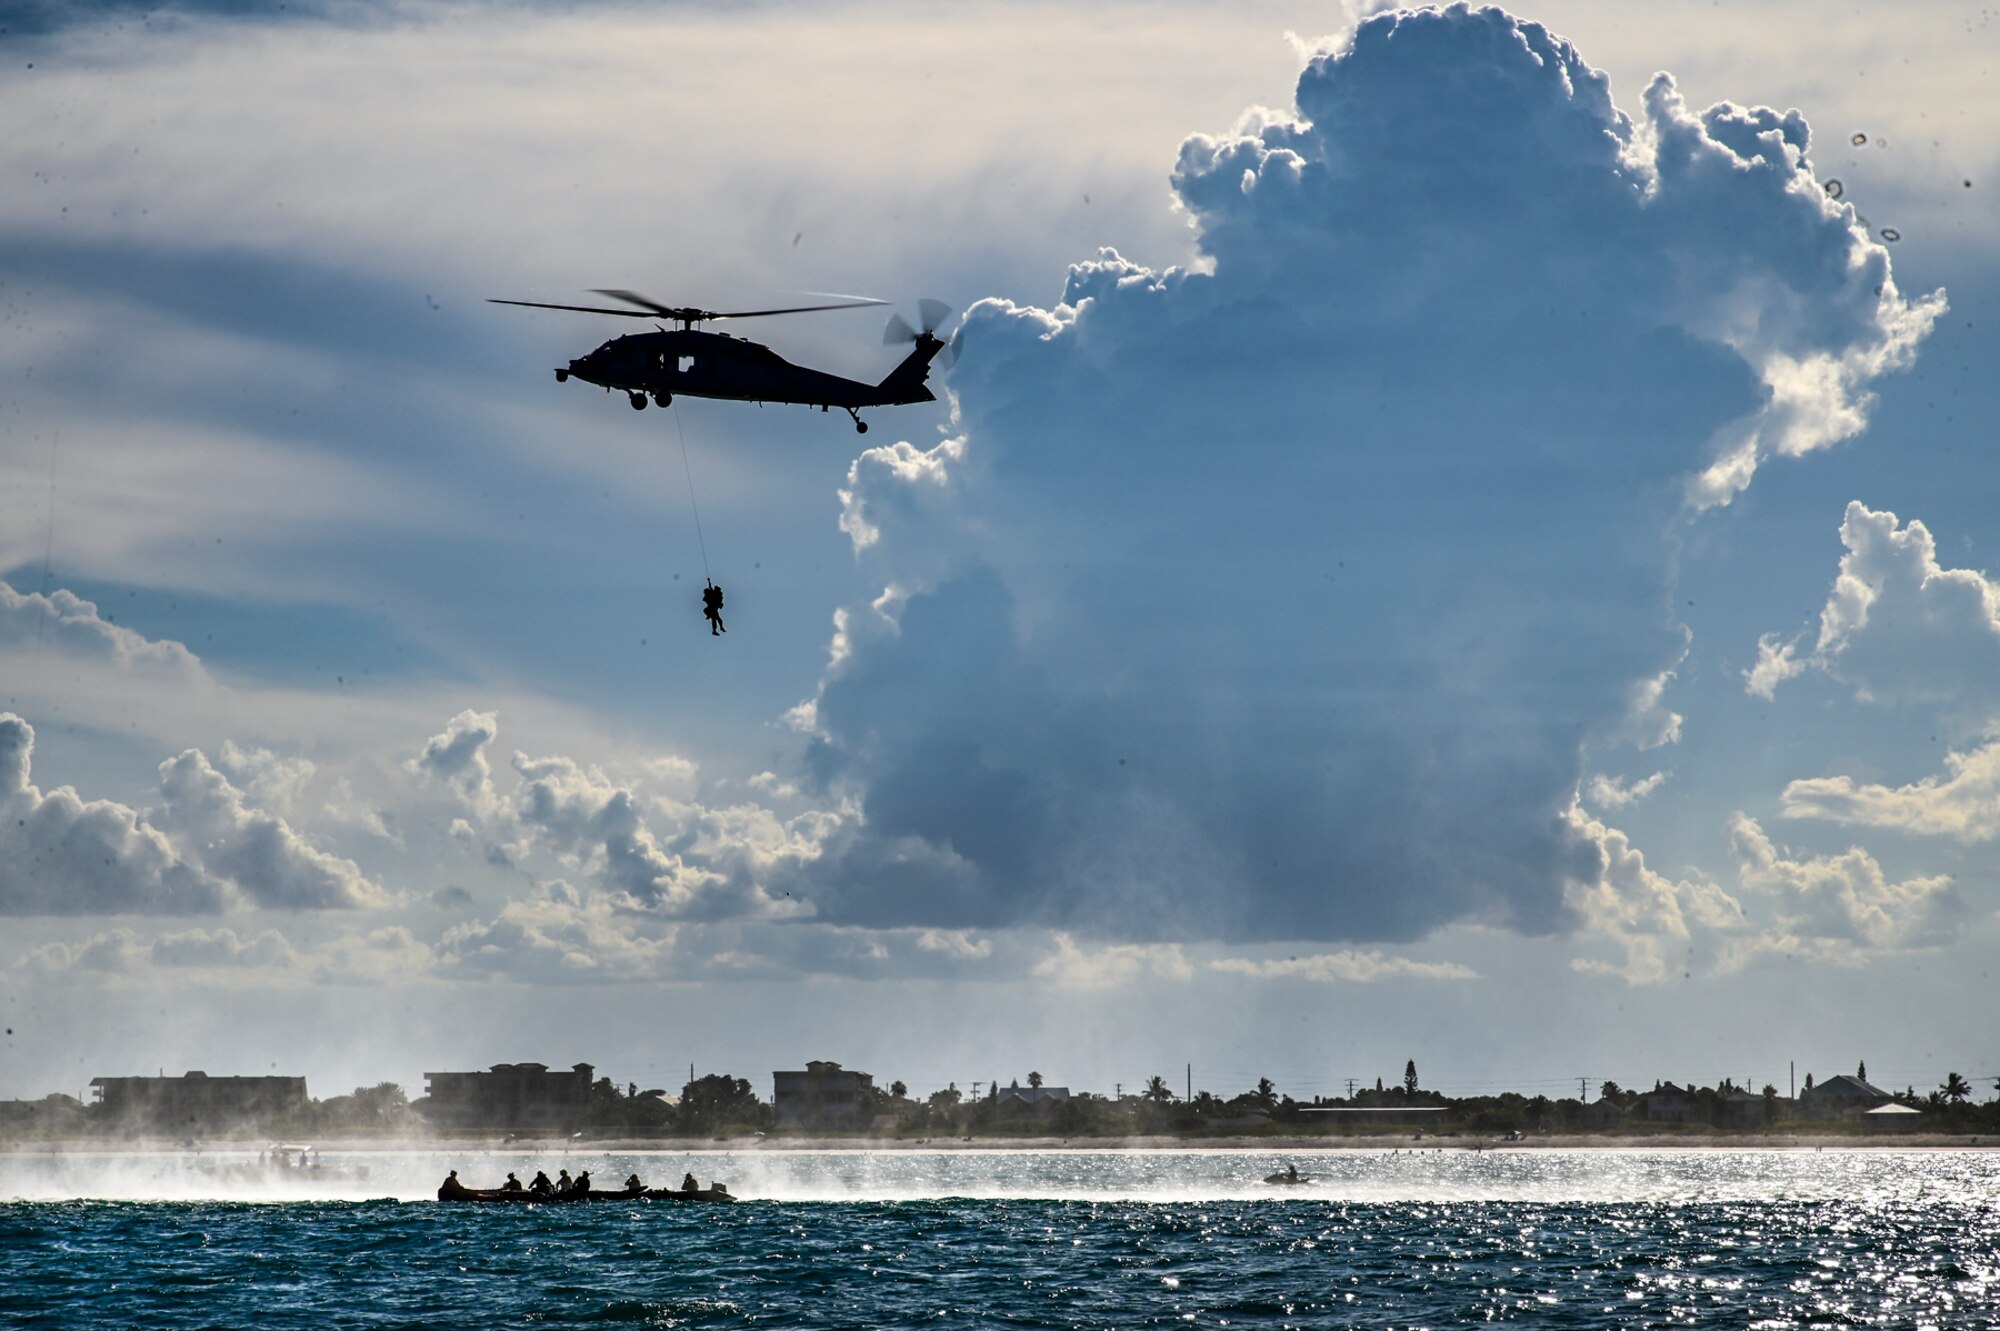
[638, 401]
[861, 427]
[562, 376]
[663, 400]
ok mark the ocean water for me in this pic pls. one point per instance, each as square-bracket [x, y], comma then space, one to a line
[1455, 1238]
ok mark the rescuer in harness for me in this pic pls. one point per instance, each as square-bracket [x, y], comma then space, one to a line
[711, 606]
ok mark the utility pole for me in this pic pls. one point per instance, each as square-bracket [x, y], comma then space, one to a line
[1795, 1079]
[1117, 1091]
[1583, 1089]
[975, 1089]
[1350, 1088]
[1190, 1094]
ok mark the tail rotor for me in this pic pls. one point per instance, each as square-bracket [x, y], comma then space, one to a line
[932, 315]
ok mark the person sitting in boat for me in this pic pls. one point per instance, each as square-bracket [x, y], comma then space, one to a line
[634, 1186]
[581, 1188]
[1291, 1173]
[513, 1184]
[564, 1187]
[541, 1187]
[688, 1184]
[451, 1187]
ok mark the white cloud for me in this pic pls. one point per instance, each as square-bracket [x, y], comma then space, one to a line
[199, 948]
[68, 626]
[1776, 662]
[1345, 967]
[1114, 964]
[1843, 906]
[259, 853]
[456, 757]
[266, 779]
[345, 806]
[62, 855]
[714, 866]
[561, 936]
[1661, 925]
[959, 943]
[1899, 626]
[1283, 596]
[914, 481]
[225, 957]
[1963, 804]
[1608, 792]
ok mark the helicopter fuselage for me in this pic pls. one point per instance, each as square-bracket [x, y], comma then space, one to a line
[696, 363]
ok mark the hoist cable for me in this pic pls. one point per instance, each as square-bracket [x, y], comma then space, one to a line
[692, 507]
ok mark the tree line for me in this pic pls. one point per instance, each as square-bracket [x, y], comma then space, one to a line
[721, 1105]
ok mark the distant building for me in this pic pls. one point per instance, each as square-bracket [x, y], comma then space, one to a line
[1838, 1097]
[1032, 1099]
[1667, 1103]
[1741, 1109]
[195, 1102]
[1892, 1117]
[509, 1095]
[1377, 1115]
[1602, 1113]
[51, 1112]
[823, 1096]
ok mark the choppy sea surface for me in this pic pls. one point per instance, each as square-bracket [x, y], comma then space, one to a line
[1453, 1238]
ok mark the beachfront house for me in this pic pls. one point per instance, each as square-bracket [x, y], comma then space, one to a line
[508, 1095]
[1667, 1103]
[195, 1102]
[1841, 1097]
[824, 1097]
[1030, 1099]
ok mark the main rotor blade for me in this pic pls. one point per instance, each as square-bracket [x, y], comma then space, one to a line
[702, 316]
[796, 309]
[649, 304]
[584, 309]
[652, 309]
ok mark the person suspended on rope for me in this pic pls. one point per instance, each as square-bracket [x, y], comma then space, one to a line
[711, 605]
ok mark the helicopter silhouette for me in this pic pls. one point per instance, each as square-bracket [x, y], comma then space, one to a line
[692, 362]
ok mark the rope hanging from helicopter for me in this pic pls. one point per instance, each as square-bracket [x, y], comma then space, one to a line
[693, 508]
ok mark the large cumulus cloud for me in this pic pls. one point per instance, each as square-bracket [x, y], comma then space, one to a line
[1901, 629]
[204, 850]
[1286, 598]
[61, 854]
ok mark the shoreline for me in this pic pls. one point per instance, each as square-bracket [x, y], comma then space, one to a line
[1275, 1145]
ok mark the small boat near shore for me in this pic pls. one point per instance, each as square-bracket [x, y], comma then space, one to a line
[1286, 1178]
[451, 1190]
[285, 1162]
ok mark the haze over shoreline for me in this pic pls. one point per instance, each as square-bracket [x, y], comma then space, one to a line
[1924, 1141]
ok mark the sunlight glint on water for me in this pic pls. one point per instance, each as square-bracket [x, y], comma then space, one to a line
[1086, 1238]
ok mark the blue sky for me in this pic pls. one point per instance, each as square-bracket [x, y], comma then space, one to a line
[1444, 542]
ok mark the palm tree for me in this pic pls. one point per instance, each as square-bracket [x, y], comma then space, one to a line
[1158, 1091]
[1267, 1094]
[1035, 1080]
[1956, 1088]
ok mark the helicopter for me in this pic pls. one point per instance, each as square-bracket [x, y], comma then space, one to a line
[695, 363]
